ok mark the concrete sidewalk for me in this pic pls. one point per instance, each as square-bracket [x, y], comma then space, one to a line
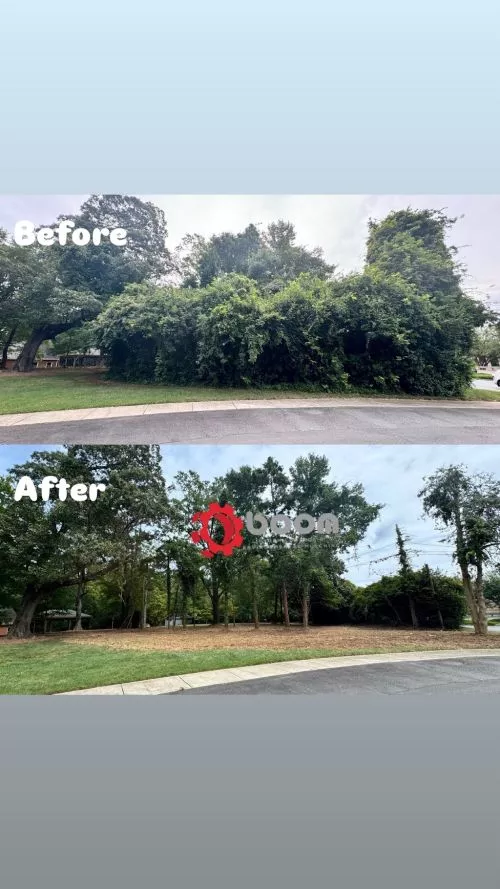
[170, 684]
[137, 410]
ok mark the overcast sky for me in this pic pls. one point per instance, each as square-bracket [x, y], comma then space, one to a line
[337, 223]
[390, 474]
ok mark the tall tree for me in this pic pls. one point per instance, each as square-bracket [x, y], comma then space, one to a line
[272, 258]
[105, 269]
[72, 283]
[469, 506]
[18, 269]
[413, 244]
[52, 543]
[405, 573]
[244, 488]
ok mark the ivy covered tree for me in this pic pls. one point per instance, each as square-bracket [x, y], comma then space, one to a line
[468, 506]
[405, 574]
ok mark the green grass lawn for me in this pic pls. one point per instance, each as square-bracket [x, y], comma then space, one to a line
[63, 390]
[483, 395]
[483, 375]
[40, 668]
[66, 389]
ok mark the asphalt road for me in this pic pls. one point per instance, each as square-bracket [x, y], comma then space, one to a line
[461, 676]
[329, 425]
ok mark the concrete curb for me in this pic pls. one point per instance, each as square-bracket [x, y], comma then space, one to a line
[169, 684]
[138, 410]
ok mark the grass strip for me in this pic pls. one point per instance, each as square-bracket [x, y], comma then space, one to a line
[52, 391]
[48, 667]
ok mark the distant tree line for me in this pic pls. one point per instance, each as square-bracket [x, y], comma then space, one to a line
[486, 345]
[128, 560]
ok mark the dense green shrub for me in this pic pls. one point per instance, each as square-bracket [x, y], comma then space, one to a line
[332, 603]
[129, 331]
[231, 332]
[435, 598]
[402, 325]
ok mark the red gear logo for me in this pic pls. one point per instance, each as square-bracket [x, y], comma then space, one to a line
[231, 523]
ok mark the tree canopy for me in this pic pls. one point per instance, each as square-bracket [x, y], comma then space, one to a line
[252, 308]
[402, 324]
[45, 291]
[468, 507]
[128, 558]
[271, 257]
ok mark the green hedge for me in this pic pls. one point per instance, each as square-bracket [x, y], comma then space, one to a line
[366, 331]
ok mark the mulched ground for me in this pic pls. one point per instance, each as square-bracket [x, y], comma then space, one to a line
[270, 637]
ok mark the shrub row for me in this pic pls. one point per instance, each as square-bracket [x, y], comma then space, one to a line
[364, 331]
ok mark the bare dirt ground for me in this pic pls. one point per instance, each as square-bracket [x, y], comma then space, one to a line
[270, 637]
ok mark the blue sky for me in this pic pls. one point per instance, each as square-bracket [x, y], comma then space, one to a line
[390, 474]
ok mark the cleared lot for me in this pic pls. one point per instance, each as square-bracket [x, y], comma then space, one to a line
[70, 661]
[244, 636]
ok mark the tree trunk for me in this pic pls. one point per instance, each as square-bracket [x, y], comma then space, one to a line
[6, 347]
[183, 608]
[275, 614]
[473, 593]
[480, 628]
[174, 615]
[21, 628]
[255, 610]
[24, 363]
[169, 593]
[255, 604]
[78, 604]
[128, 607]
[215, 599]
[413, 612]
[286, 615]
[433, 591]
[482, 617]
[398, 618]
[305, 609]
[226, 609]
[215, 610]
[144, 610]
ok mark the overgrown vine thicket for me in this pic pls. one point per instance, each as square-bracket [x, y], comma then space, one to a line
[249, 309]
[403, 324]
